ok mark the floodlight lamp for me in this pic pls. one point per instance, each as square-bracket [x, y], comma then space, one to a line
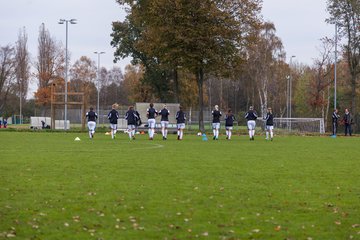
[73, 21]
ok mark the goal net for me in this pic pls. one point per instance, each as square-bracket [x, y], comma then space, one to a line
[302, 125]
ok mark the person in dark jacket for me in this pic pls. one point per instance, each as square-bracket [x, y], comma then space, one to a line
[180, 122]
[229, 123]
[92, 117]
[335, 118]
[113, 117]
[251, 116]
[131, 118]
[347, 122]
[269, 124]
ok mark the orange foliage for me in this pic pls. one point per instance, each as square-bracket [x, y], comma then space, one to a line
[43, 96]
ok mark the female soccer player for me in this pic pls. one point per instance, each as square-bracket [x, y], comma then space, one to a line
[251, 116]
[113, 116]
[229, 122]
[216, 122]
[91, 116]
[151, 114]
[180, 121]
[164, 113]
[269, 124]
[131, 118]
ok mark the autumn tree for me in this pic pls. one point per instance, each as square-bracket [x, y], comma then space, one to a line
[346, 15]
[111, 87]
[136, 90]
[203, 37]
[262, 64]
[321, 79]
[7, 74]
[83, 77]
[49, 66]
[22, 67]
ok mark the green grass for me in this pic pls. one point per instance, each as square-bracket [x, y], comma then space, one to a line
[52, 187]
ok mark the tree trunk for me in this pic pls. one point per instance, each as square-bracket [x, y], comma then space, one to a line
[176, 82]
[200, 82]
[353, 100]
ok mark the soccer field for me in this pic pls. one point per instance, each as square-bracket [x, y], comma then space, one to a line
[52, 187]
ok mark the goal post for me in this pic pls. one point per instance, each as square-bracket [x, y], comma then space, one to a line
[302, 125]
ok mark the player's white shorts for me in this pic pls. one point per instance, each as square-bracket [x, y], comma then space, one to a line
[269, 128]
[131, 127]
[229, 127]
[251, 124]
[113, 126]
[180, 125]
[164, 124]
[91, 126]
[216, 125]
[151, 123]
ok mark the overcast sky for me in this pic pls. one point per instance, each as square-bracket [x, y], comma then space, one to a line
[299, 23]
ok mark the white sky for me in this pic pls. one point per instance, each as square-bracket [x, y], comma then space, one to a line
[299, 23]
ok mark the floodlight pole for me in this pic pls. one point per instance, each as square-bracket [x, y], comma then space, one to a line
[62, 21]
[335, 64]
[98, 85]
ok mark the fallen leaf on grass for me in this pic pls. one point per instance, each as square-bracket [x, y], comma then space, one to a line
[205, 234]
[277, 228]
[256, 230]
[10, 235]
[100, 214]
[355, 225]
[337, 222]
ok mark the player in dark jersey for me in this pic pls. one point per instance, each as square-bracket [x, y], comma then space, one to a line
[91, 116]
[180, 122]
[151, 113]
[164, 113]
[131, 118]
[251, 116]
[335, 120]
[216, 114]
[269, 124]
[229, 123]
[113, 117]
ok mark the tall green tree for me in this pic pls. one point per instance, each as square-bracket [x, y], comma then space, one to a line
[202, 37]
[346, 14]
